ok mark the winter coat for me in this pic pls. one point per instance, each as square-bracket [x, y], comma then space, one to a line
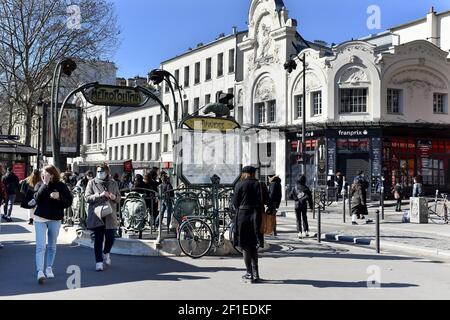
[3, 194]
[166, 190]
[398, 191]
[302, 196]
[417, 190]
[28, 193]
[359, 205]
[275, 193]
[49, 208]
[11, 183]
[92, 195]
[249, 203]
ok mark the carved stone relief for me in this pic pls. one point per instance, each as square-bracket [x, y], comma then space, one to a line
[418, 80]
[265, 90]
[312, 83]
[353, 75]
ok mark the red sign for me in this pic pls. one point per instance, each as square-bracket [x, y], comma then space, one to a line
[128, 166]
[167, 165]
[19, 170]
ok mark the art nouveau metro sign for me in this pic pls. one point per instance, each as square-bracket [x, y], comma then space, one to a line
[115, 96]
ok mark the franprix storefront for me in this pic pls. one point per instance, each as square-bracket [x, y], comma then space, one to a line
[393, 152]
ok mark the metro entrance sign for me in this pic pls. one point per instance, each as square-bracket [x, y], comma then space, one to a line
[115, 96]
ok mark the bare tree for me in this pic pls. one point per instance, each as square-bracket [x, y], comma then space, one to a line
[36, 34]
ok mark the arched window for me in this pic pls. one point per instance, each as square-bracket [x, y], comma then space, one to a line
[100, 130]
[94, 131]
[265, 102]
[89, 131]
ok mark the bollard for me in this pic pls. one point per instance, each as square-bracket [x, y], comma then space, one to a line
[382, 203]
[314, 203]
[349, 200]
[319, 226]
[436, 200]
[343, 207]
[378, 232]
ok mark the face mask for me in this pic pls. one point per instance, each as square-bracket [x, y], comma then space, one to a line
[101, 175]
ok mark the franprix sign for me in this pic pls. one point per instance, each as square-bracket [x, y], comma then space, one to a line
[115, 96]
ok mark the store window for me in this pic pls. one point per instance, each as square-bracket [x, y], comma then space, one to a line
[399, 158]
[353, 145]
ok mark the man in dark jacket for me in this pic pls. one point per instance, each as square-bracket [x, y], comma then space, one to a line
[275, 195]
[250, 196]
[11, 182]
[302, 196]
[167, 196]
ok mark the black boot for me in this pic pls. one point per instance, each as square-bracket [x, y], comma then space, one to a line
[248, 277]
[255, 274]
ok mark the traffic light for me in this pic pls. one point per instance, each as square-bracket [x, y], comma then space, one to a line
[68, 66]
[290, 66]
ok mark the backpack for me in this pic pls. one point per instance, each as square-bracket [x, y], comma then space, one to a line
[134, 212]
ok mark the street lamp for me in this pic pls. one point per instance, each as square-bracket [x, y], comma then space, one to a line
[66, 66]
[39, 113]
[289, 66]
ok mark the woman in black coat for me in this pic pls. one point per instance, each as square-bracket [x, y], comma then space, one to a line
[359, 205]
[250, 196]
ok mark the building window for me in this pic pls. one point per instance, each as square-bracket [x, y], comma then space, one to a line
[240, 115]
[128, 152]
[231, 54]
[177, 76]
[261, 112]
[272, 111]
[150, 124]
[142, 152]
[166, 143]
[116, 153]
[220, 65]
[149, 152]
[110, 131]
[208, 69]
[439, 103]
[394, 101]
[110, 153]
[197, 73]
[122, 131]
[135, 152]
[158, 122]
[186, 77]
[317, 103]
[122, 155]
[196, 104]
[166, 115]
[353, 100]
[299, 106]
[142, 125]
[136, 126]
[207, 99]
[129, 127]
[117, 129]
[185, 108]
[158, 150]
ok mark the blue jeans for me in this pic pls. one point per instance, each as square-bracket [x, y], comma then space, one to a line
[165, 205]
[9, 203]
[42, 229]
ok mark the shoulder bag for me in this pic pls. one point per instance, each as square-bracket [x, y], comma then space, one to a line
[105, 209]
[268, 221]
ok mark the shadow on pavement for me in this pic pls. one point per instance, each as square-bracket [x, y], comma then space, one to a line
[19, 277]
[13, 229]
[335, 284]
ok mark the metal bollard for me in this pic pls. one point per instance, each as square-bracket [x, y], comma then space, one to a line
[314, 203]
[378, 232]
[319, 226]
[382, 203]
[349, 200]
[343, 207]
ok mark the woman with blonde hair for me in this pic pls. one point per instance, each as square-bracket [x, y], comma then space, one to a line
[28, 188]
[52, 198]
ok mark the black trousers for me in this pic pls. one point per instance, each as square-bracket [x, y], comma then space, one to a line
[103, 235]
[250, 254]
[302, 216]
[399, 205]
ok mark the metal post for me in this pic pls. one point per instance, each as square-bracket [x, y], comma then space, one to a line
[304, 116]
[38, 162]
[378, 232]
[436, 200]
[382, 203]
[314, 202]
[349, 200]
[286, 195]
[319, 226]
[343, 207]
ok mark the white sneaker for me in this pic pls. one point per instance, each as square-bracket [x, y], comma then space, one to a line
[307, 234]
[99, 266]
[41, 277]
[49, 273]
[107, 259]
[300, 235]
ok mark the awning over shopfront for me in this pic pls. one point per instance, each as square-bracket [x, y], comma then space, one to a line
[17, 148]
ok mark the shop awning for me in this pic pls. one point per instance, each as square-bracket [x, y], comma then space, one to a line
[17, 148]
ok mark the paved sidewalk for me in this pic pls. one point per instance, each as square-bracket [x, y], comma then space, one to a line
[431, 239]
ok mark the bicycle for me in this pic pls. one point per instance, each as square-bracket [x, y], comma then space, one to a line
[439, 208]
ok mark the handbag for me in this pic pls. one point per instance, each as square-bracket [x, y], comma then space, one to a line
[103, 210]
[268, 220]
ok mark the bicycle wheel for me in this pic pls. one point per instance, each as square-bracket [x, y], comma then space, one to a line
[195, 238]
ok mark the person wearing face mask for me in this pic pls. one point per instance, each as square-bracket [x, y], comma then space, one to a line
[103, 196]
[52, 198]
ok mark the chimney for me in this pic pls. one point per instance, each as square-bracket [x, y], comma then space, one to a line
[432, 27]
[234, 30]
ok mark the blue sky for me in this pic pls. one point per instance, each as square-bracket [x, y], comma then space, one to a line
[153, 30]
